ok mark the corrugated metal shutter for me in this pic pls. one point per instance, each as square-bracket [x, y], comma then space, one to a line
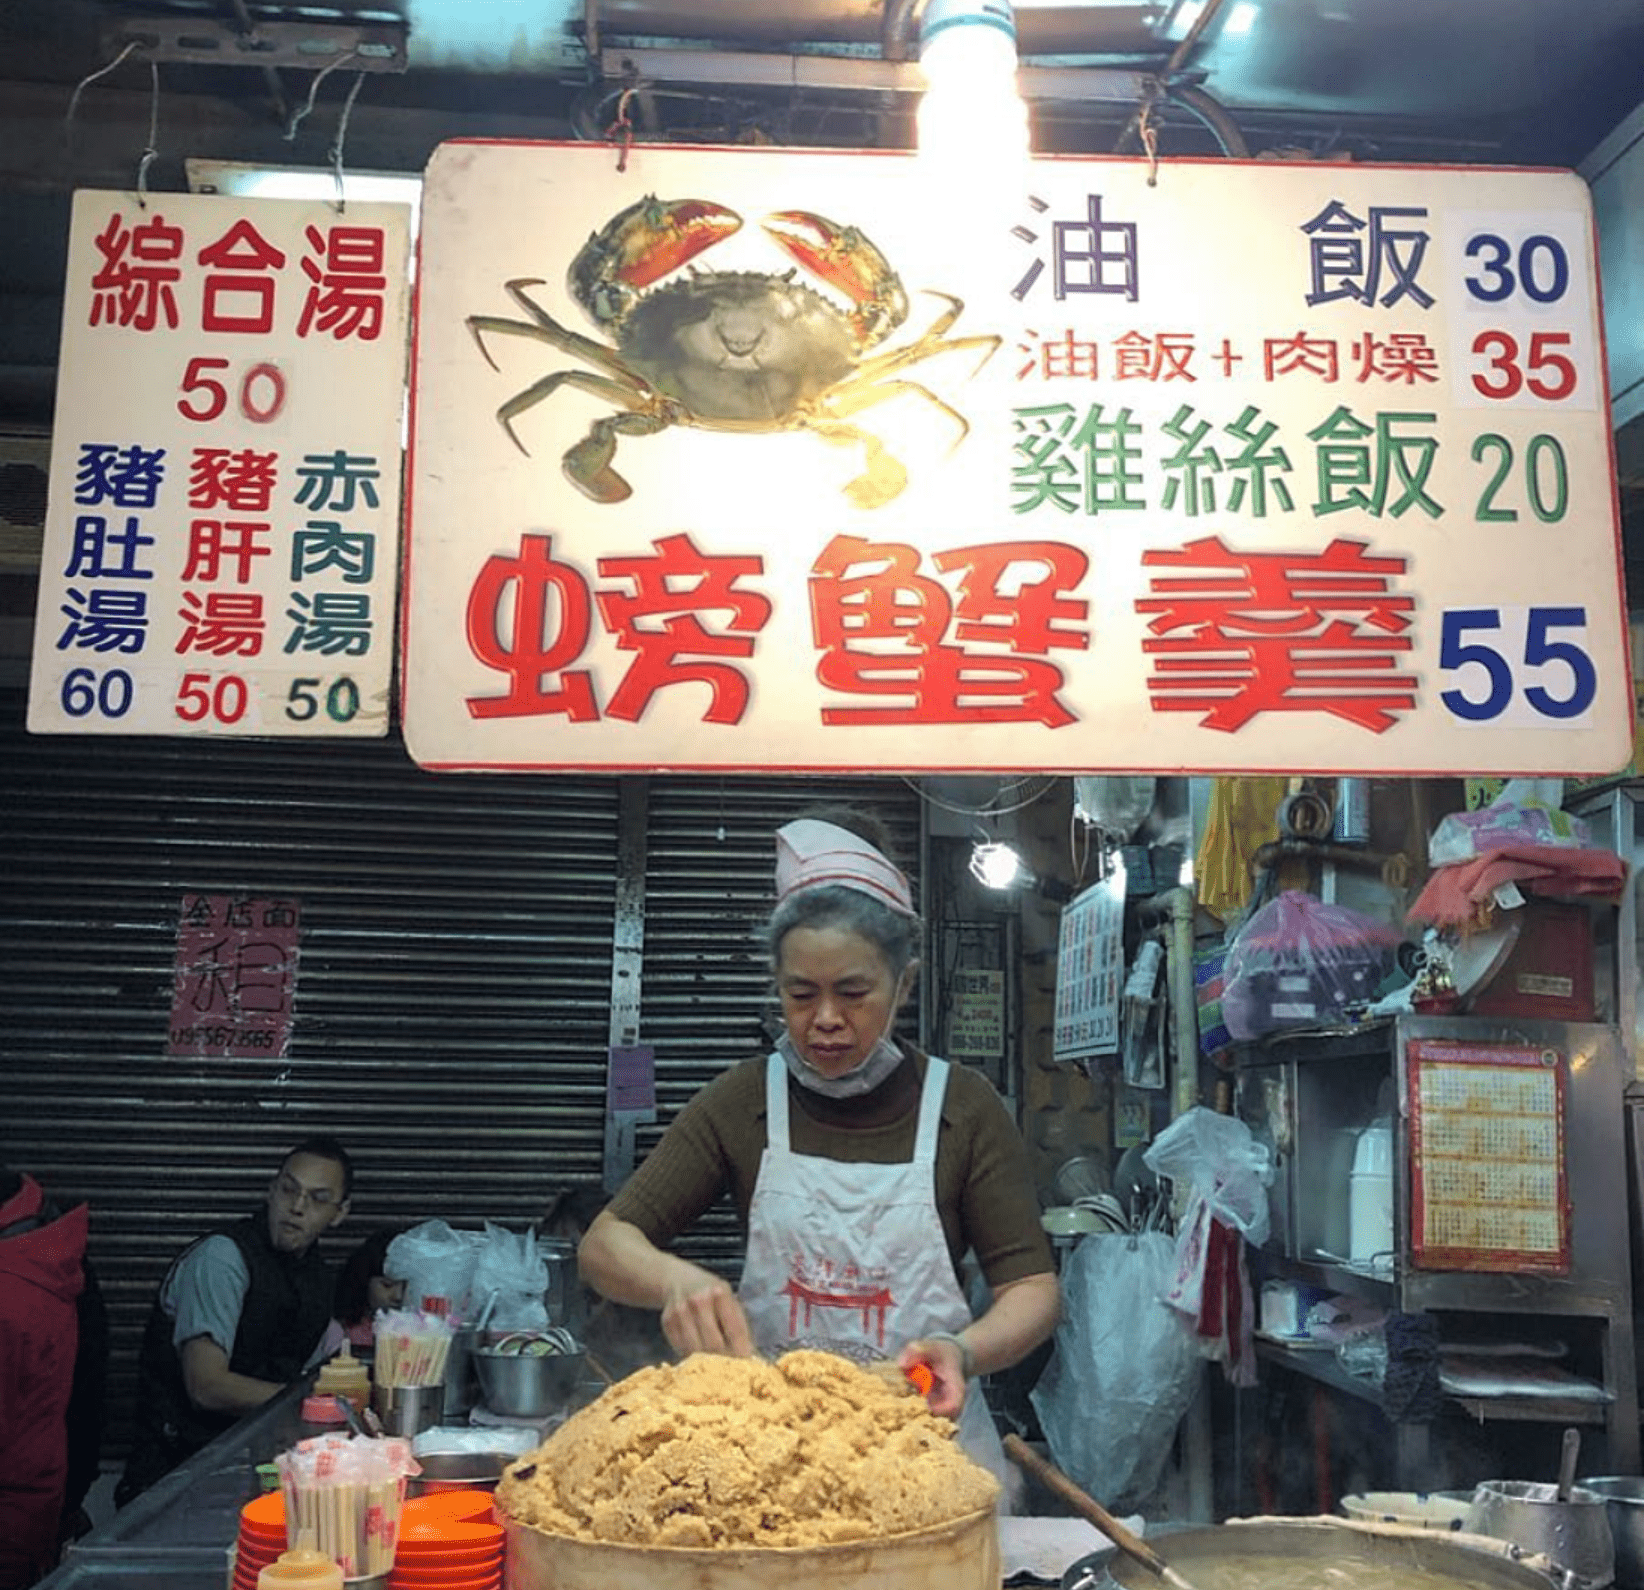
[452, 997]
[454, 985]
[708, 890]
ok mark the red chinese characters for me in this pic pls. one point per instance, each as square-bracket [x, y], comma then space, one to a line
[240, 281]
[967, 644]
[345, 272]
[885, 631]
[544, 609]
[237, 291]
[136, 284]
[1237, 634]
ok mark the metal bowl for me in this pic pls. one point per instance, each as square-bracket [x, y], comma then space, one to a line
[526, 1387]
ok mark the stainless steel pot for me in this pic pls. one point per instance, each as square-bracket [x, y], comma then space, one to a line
[1339, 1547]
[1624, 1505]
[1574, 1533]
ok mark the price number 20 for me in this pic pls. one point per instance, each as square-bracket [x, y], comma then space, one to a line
[1466, 642]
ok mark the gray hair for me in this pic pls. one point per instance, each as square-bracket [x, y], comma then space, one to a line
[831, 905]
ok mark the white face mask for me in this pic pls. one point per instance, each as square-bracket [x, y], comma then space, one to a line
[882, 1059]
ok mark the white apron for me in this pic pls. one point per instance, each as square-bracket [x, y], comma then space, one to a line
[852, 1258]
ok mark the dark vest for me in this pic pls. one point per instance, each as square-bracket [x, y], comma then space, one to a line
[287, 1307]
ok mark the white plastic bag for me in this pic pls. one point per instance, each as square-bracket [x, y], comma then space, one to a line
[1218, 1158]
[1123, 1370]
[434, 1260]
[511, 1265]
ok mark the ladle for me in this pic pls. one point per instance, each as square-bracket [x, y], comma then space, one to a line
[1567, 1462]
[1087, 1506]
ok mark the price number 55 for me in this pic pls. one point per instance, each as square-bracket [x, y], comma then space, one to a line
[1484, 641]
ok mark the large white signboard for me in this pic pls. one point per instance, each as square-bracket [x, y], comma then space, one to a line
[778, 459]
[222, 519]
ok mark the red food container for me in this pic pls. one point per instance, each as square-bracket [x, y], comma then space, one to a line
[1549, 973]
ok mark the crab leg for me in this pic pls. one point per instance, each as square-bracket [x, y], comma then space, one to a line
[883, 477]
[544, 328]
[914, 352]
[845, 258]
[583, 380]
[588, 463]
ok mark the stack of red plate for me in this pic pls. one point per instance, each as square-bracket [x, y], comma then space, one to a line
[448, 1541]
[262, 1538]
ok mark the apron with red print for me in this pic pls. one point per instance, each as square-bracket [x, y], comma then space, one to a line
[852, 1258]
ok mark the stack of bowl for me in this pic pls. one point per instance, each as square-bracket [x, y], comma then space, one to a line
[261, 1539]
[448, 1541]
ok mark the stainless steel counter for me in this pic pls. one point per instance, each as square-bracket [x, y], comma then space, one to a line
[179, 1534]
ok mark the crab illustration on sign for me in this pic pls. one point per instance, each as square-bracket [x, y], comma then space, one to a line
[730, 350]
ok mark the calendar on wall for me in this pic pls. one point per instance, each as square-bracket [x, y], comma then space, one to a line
[1488, 1188]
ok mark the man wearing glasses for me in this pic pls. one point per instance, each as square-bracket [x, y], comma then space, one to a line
[240, 1314]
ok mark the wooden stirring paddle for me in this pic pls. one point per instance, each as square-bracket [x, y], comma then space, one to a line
[1052, 1478]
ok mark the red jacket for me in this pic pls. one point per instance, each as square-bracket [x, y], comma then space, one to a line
[42, 1270]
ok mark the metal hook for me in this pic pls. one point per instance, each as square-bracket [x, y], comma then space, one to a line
[1149, 134]
[621, 130]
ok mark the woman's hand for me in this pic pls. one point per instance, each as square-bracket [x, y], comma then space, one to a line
[945, 1360]
[700, 1314]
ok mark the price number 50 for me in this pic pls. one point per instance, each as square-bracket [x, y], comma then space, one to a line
[1552, 638]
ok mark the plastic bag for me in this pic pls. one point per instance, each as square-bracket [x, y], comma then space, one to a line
[434, 1260]
[1217, 1157]
[1123, 1370]
[513, 1266]
[1300, 963]
[1517, 816]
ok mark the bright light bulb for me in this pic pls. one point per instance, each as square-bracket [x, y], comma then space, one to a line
[995, 865]
[971, 120]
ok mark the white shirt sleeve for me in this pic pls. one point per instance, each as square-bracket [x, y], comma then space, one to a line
[206, 1293]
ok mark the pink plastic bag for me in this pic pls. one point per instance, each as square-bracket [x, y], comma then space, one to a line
[1300, 963]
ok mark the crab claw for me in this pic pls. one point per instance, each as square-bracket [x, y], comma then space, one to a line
[640, 245]
[844, 257]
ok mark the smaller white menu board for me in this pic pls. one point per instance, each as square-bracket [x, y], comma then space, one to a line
[222, 517]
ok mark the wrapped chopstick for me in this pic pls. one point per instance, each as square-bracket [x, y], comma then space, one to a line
[411, 1347]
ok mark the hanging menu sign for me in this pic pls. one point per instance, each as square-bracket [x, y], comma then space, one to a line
[1090, 966]
[1487, 1176]
[799, 460]
[222, 517]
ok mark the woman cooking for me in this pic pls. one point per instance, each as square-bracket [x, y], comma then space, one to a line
[863, 1169]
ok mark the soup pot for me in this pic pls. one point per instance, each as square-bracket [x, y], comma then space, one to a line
[1624, 1505]
[1574, 1533]
[1338, 1550]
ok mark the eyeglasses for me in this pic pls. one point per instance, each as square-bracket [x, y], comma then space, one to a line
[293, 1192]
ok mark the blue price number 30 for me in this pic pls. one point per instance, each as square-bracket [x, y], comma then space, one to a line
[1456, 651]
[1540, 268]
